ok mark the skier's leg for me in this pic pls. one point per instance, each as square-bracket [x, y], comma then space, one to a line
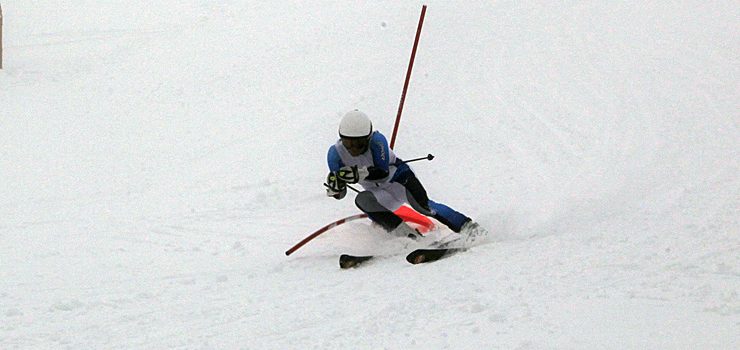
[414, 191]
[418, 199]
[448, 216]
[369, 204]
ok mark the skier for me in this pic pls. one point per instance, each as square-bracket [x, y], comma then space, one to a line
[361, 155]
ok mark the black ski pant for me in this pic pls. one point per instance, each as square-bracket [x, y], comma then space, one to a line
[415, 193]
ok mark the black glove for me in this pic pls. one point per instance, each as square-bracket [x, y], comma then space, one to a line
[335, 187]
[353, 174]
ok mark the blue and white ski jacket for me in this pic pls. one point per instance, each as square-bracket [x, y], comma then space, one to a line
[379, 159]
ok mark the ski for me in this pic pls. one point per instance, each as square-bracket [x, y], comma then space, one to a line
[470, 232]
[347, 261]
[426, 255]
[435, 251]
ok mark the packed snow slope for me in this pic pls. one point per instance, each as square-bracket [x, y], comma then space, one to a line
[158, 158]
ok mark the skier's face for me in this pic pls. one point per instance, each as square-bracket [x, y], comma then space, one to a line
[355, 145]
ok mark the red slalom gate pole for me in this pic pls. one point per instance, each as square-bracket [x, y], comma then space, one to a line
[322, 230]
[408, 75]
[405, 215]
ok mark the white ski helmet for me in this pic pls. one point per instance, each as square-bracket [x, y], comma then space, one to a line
[355, 124]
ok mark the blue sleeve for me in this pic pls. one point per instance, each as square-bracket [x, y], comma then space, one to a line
[333, 159]
[380, 150]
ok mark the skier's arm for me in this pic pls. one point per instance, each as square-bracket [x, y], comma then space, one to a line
[379, 148]
[333, 160]
[336, 187]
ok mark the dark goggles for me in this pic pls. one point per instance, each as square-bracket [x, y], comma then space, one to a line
[355, 142]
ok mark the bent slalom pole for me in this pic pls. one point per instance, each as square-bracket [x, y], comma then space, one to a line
[403, 215]
[408, 75]
[324, 229]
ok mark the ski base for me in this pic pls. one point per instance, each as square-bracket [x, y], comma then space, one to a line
[421, 256]
[347, 261]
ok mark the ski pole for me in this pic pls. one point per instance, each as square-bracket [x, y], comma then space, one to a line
[350, 187]
[428, 157]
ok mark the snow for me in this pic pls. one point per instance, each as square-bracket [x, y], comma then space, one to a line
[157, 159]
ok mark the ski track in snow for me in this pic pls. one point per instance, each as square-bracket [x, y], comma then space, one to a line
[597, 143]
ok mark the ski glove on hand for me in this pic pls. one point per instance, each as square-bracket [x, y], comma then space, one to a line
[353, 174]
[336, 187]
